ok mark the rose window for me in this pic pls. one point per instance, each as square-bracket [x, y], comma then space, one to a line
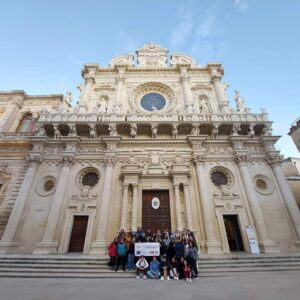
[219, 178]
[90, 179]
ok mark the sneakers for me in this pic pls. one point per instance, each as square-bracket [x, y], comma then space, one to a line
[137, 277]
[176, 278]
[144, 277]
[190, 280]
[168, 278]
[162, 278]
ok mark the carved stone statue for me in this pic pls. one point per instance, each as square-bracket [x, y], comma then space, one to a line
[68, 98]
[203, 106]
[56, 132]
[239, 100]
[195, 131]
[41, 131]
[93, 134]
[3, 169]
[214, 131]
[112, 130]
[133, 131]
[154, 131]
[103, 107]
[174, 131]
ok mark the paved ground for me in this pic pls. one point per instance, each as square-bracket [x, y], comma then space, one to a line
[267, 286]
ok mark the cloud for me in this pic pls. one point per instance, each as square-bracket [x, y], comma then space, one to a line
[241, 5]
[184, 28]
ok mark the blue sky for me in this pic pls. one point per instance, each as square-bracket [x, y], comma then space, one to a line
[44, 45]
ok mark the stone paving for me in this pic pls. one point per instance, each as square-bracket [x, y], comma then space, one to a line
[265, 286]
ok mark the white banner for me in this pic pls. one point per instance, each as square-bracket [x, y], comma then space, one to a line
[147, 249]
[252, 240]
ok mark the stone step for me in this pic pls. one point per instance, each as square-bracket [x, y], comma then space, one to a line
[18, 274]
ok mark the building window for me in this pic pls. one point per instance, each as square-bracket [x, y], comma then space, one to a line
[219, 178]
[261, 184]
[90, 179]
[27, 124]
[153, 101]
[49, 185]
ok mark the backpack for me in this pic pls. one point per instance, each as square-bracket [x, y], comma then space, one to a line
[121, 250]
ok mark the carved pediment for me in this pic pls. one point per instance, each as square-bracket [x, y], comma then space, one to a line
[152, 55]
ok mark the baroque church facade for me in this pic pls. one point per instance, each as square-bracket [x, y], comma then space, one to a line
[151, 143]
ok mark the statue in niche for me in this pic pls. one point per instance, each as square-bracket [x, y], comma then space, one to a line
[239, 100]
[203, 106]
[195, 131]
[103, 105]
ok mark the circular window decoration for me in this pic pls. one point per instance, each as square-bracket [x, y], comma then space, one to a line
[152, 96]
[49, 185]
[218, 178]
[153, 101]
[221, 176]
[261, 184]
[90, 179]
[46, 186]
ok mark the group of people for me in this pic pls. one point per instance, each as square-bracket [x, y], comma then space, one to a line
[177, 259]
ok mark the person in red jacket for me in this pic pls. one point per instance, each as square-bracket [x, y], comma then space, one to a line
[112, 252]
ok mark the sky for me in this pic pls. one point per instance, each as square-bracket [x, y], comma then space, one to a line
[44, 45]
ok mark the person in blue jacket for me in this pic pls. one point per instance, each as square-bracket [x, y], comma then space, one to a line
[154, 272]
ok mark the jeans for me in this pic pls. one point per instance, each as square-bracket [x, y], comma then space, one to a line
[153, 276]
[130, 262]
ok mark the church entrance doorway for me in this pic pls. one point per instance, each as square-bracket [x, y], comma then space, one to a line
[78, 234]
[156, 210]
[233, 232]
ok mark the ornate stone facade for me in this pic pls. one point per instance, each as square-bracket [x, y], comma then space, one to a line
[150, 122]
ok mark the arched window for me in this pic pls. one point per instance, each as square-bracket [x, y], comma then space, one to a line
[27, 124]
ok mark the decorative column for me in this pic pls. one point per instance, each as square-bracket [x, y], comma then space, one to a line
[177, 207]
[217, 74]
[188, 207]
[212, 243]
[134, 207]
[10, 113]
[16, 214]
[265, 242]
[124, 207]
[99, 246]
[275, 162]
[184, 78]
[49, 243]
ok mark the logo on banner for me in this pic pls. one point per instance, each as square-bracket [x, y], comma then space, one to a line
[155, 203]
